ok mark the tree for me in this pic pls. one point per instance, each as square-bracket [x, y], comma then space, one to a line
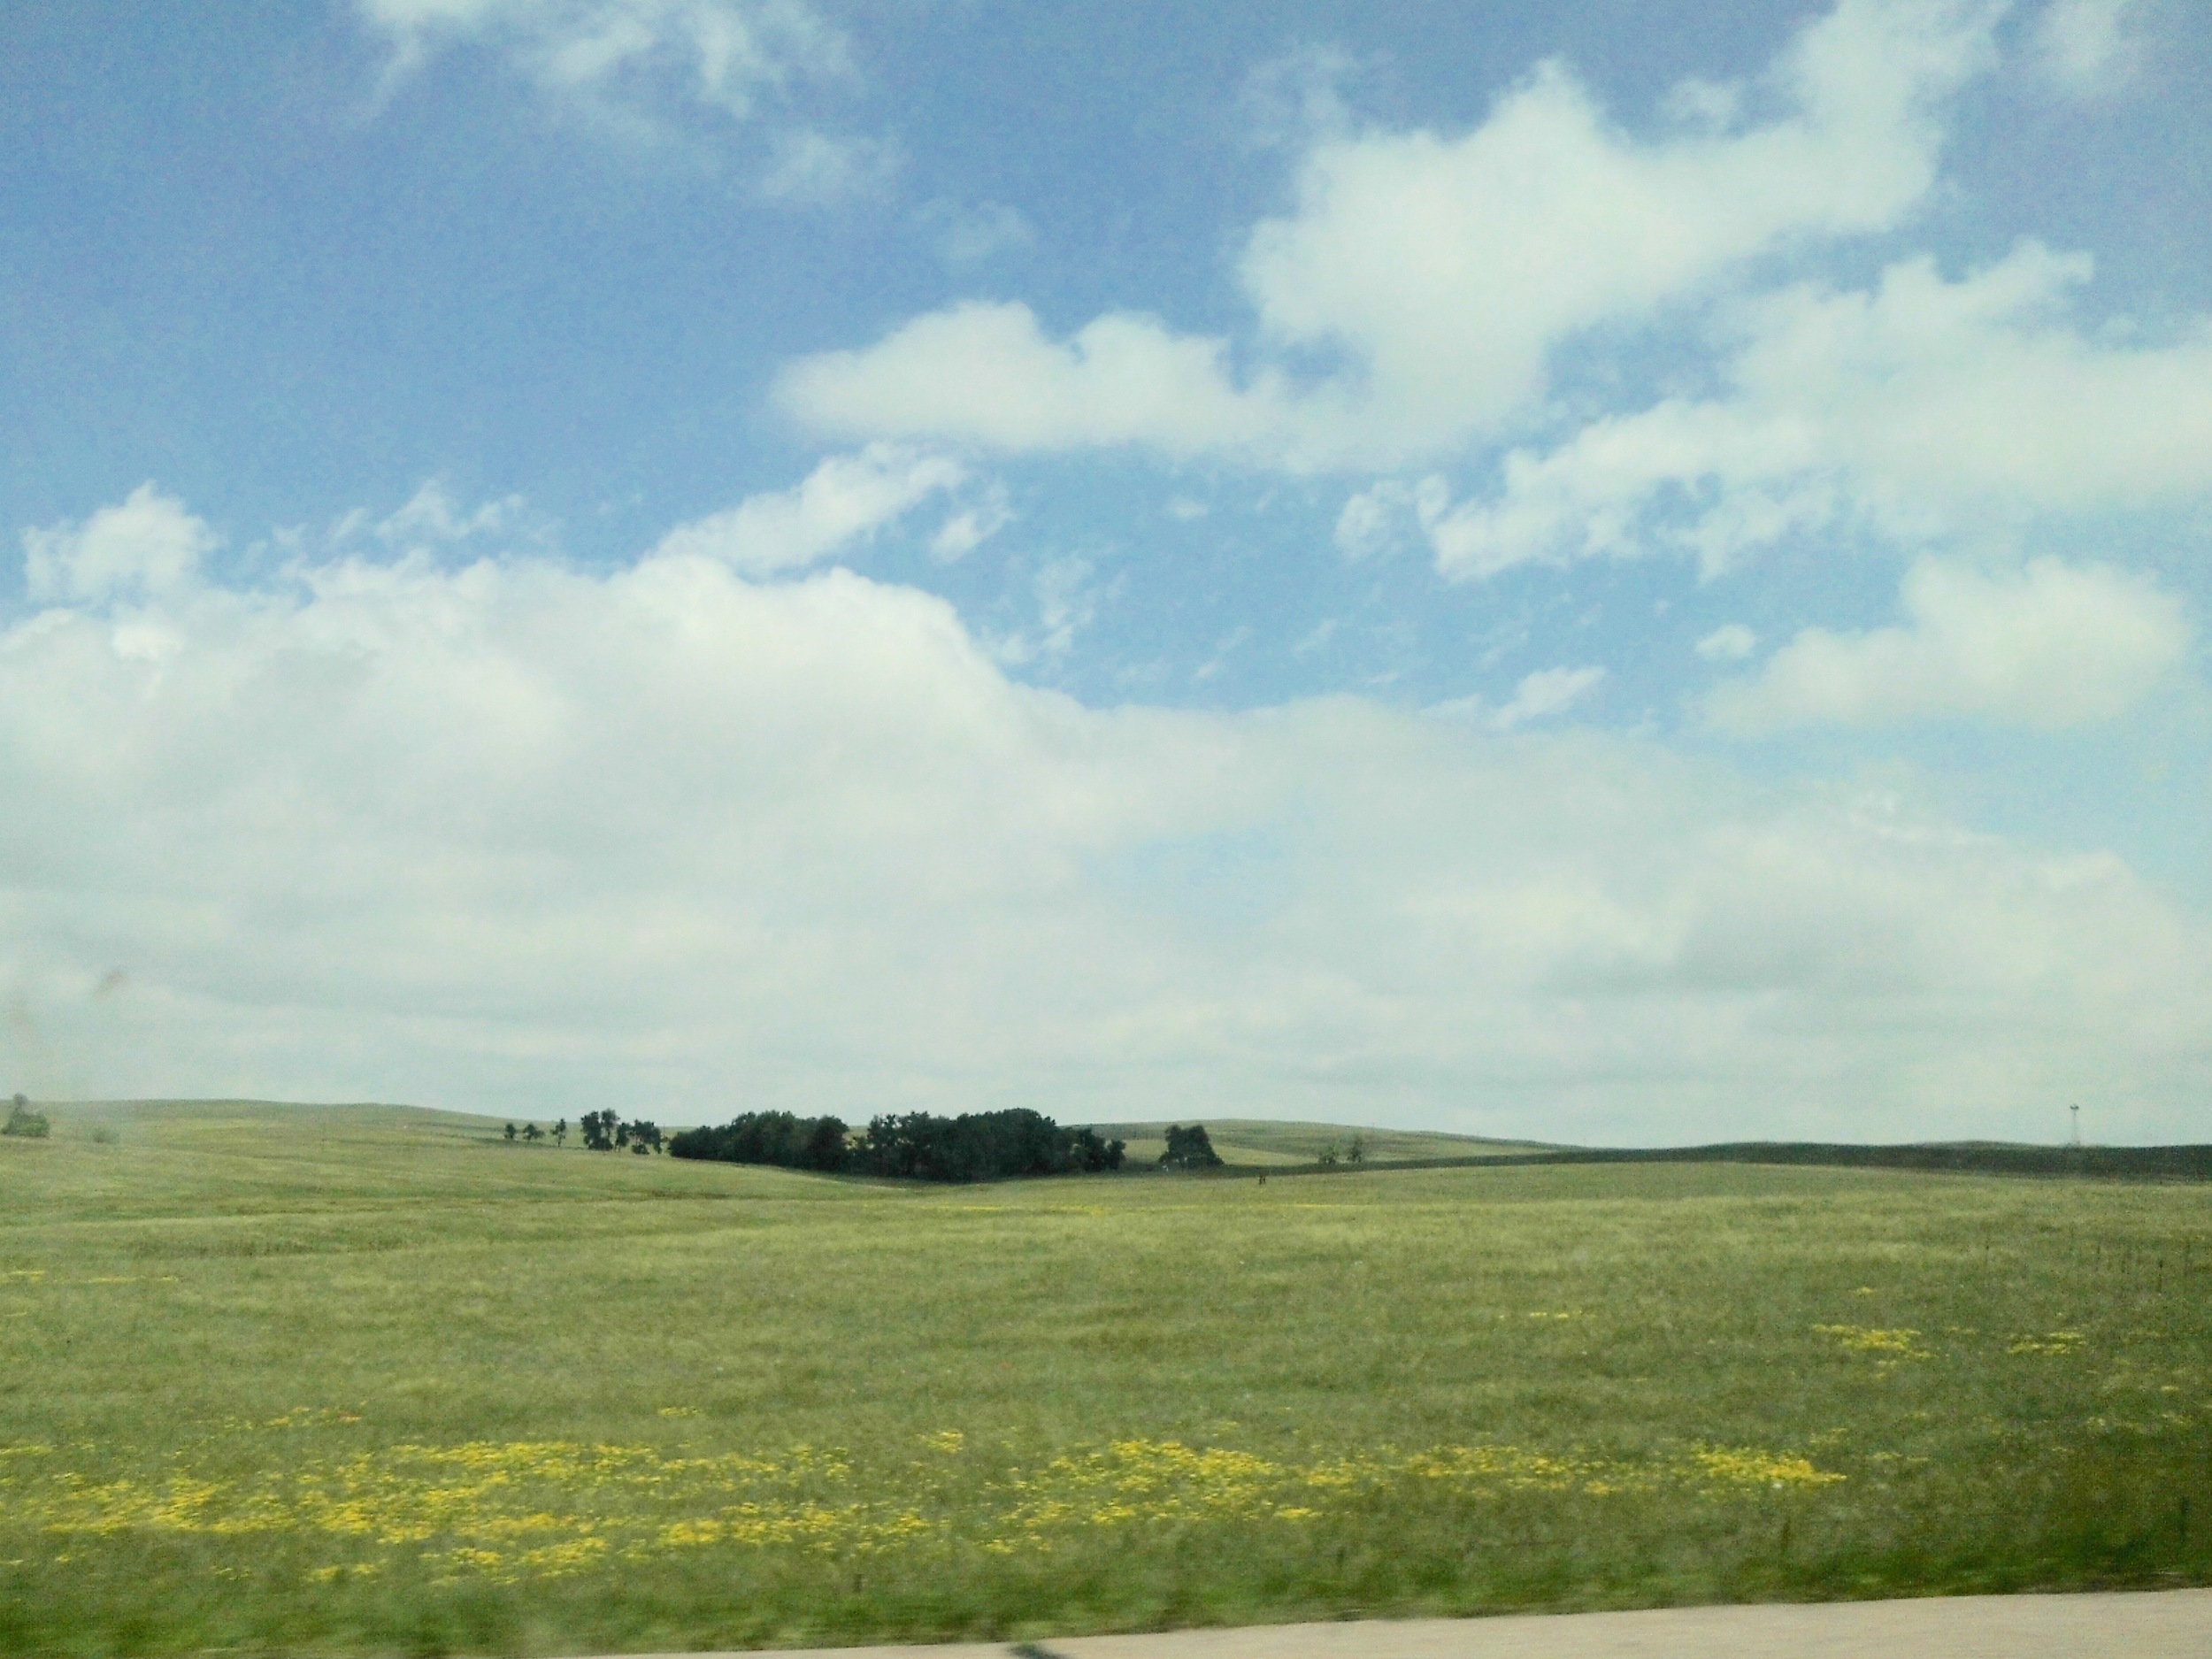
[1356, 1153]
[1189, 1148]
[826, 1145]
[511, 1131]
[531, 1132]
[598, 1129]
[25, 1122]
[560, 1132]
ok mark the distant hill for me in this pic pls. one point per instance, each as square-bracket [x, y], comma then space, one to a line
[361, 1113]
[1269, 1142]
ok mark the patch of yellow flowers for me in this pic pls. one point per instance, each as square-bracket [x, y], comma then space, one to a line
[1901, 1343]
[533, 1510]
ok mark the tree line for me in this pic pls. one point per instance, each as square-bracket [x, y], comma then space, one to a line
[602, 1131]
[908, 1146]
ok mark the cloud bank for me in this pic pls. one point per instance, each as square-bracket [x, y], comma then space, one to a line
[524, 837]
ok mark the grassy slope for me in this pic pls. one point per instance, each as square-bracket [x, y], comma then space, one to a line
[358, 1379]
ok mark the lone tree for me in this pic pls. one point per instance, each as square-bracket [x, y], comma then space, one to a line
[560, 1132]
[25, 1122]
[1189, 1149]
[1356, 1153]
[511, 1131]
[531, 1132]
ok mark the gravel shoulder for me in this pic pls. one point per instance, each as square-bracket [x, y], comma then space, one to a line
[2154, 1625]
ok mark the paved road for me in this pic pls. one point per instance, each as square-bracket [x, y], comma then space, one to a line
[2161, 1624]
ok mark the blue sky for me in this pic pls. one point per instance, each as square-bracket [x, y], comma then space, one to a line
[1623, 571]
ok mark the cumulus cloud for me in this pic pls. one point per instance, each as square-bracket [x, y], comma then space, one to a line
[1921, 404]
[988, 374]
[1441, 270]
[2052, 647]
[522, 836]
[147, 546]
[844, 501]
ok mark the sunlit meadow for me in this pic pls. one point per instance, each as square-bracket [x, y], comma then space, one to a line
[362, 1379]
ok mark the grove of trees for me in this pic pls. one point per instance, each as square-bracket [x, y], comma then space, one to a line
[606, 1132]
[911, 1146]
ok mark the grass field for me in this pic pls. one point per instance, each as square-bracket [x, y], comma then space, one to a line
[364, 1380]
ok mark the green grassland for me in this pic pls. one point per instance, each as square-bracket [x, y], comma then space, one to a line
[363, 1379]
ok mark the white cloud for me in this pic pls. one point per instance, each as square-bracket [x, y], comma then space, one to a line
[147, 546]
[1547, 692]
[969, 236]
[1922, 405]
[988, 374]
[721, 53]
[2052, 647]
[815, 169]
[523, 836]
[845, 500]
[1381, 516]
[972, 525]
[2090, 47]
[1731, 642]
[432, 519]
[1538, 695]
[1443, 270]
[664, 74]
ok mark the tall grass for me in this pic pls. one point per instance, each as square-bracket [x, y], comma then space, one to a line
[364, 1380]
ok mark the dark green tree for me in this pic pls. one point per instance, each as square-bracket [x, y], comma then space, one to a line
[25, 1122]
[511, 1131]
[1189, 1148]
